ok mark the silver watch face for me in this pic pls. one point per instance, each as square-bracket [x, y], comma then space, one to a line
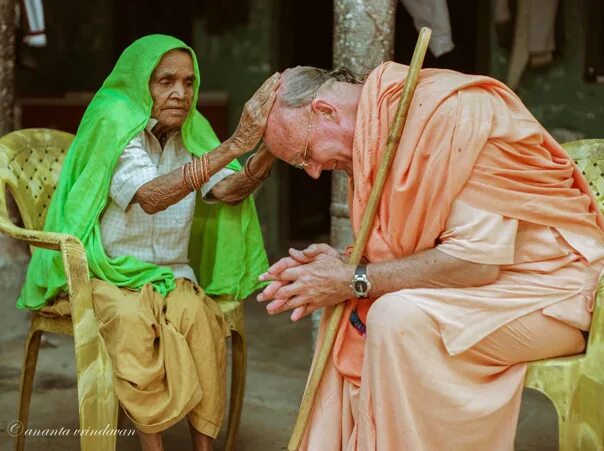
[360, 287]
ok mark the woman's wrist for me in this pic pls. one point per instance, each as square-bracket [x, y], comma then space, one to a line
[263, 159]
[235, 147]
[258, 165]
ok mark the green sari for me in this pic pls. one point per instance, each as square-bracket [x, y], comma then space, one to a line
[226, 249]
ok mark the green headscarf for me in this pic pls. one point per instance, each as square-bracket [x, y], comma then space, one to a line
[226, 248]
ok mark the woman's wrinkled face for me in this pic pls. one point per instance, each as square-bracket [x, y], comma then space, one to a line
[172, 89]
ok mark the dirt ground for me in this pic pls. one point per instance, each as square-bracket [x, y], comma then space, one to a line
[279, 355]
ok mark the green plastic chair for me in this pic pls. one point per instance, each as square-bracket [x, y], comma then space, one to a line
[575, 384]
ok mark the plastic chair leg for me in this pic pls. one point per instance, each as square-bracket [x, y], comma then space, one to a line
[98, 403]
[565, 435]
[239, 366]
[32, 346]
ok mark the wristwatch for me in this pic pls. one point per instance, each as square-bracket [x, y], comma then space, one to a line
[360, 284]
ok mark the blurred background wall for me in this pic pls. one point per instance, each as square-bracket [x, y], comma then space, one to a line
[241, 42]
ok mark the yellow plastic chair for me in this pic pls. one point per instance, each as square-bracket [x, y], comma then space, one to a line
[576, 384]
[30, 163]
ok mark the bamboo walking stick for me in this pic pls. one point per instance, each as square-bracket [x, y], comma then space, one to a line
[335, 314]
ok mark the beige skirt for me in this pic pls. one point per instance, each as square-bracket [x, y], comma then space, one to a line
[168, 354]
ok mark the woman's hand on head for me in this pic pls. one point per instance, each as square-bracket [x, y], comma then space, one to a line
[255, 115]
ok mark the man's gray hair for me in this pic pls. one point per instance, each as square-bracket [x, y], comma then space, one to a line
[303, 82]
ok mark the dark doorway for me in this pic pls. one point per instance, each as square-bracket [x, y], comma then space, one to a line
[137, 18]
[306, 36]
[84, 41]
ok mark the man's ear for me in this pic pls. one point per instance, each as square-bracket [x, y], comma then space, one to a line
[323, 108]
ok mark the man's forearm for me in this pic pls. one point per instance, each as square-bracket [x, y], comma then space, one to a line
[428, 269]
[166, 190]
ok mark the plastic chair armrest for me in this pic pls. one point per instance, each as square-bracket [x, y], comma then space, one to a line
[74, 260]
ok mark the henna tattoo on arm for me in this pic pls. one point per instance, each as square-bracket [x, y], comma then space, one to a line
[236, 187]
[162, 192]
[168, 189]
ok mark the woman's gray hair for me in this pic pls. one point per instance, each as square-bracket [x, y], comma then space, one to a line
[303, 82]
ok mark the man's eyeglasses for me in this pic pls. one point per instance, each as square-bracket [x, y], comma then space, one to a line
[303, 164]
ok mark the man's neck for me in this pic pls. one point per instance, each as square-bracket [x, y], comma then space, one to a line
[349, 94]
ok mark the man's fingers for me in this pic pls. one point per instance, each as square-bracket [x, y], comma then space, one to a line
[269, 292]
[299, 256]
[276, 306]
[320, 248]
[298, 312]
[281, 265]
[289, 290]
[283, 304]
[276, 268]
[303, 311]
[291, 274]
[264, 277]
[317, 247]
[310, 253]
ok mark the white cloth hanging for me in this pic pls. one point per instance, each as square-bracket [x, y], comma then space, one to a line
[534, 42]
[433, 14]
[35, 27]
[541, 22]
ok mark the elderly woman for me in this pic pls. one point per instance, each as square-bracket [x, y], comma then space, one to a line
[128, 189]
[484, 254]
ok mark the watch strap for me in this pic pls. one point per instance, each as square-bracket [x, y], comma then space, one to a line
[361, 270]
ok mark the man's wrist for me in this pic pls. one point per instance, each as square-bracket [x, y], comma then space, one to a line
[359, 283]
[347, 275]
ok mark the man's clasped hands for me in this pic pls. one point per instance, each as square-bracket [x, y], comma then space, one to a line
[307, 280]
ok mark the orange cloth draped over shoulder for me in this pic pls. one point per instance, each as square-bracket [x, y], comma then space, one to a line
[454, 119]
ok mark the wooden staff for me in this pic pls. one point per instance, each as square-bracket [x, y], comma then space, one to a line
[335, 314]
